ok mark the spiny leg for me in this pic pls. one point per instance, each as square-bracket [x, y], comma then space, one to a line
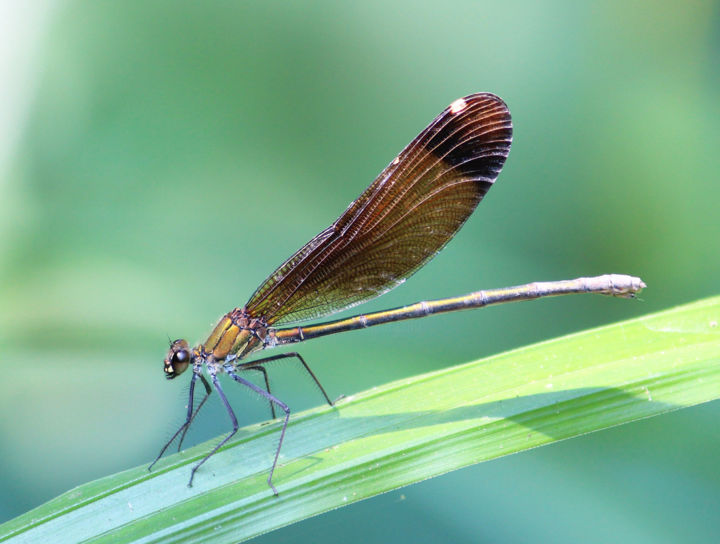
[235, 425]
[189, 417]
[267, 384]
[282, 406]
[258, 362]
[260, 391]
[208, 390]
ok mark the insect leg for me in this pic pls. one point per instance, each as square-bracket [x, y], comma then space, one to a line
[189, 417]
[264, 360]
[208, 390]
[235, 426]
[267, 383]
[260, 391]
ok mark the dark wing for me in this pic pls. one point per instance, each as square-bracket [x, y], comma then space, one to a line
[414, 207]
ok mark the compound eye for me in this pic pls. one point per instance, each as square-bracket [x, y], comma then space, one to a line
[181, 356]
[178, 359]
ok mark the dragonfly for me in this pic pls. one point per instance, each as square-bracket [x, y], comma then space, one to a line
[400, 222]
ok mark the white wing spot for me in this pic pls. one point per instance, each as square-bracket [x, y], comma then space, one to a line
[396, 160]
[458, 106]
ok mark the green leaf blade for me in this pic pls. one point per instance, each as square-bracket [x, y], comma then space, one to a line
[401, 433]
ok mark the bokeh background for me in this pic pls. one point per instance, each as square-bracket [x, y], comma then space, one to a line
[159, 159]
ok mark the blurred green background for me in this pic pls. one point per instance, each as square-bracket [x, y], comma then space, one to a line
[159, 159]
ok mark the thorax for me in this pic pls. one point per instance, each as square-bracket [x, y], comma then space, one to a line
[235, 334]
